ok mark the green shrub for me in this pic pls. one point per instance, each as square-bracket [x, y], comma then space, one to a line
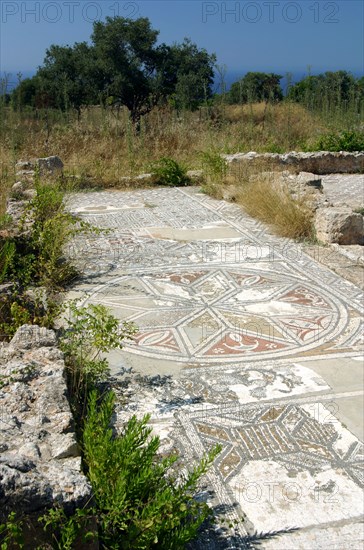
[7, 253]
[215, 171]
[66, 531]
[213, 164]
[167, 171]
[344, 141]
[11, 533]
[140, 502]
[19, 308]
[91, 331]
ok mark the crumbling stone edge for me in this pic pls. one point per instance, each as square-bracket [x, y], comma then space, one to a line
[40, 460]
[319, 162]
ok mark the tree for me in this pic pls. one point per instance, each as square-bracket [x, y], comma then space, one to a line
[25, 93]
[186, 74]
[139, 74]
[327, 90]
[123, 66]
[126, 59]
[255, 87]
[67, 76]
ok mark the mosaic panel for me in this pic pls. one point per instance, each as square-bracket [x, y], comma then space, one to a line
[221, 315]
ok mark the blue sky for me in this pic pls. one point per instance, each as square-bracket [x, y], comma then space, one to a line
[261, 35]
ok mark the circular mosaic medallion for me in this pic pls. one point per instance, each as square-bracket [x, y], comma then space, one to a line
[223, 315]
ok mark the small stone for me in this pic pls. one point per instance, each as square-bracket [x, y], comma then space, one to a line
[29, 194]
[50, 165]
[65, 446]
[29, 336]
[24, 165]
[309, 179]
[18, 187]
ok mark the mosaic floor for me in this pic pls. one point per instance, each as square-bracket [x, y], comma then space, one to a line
[242, 340]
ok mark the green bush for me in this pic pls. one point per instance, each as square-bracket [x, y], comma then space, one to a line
[214, 166]
[91, 332]
[7, 253]
[344, 141]
[215, 171]
[67, 531]
[141, 502]
[18, 308]
[167, 171]
[36, 256]
[11, 533]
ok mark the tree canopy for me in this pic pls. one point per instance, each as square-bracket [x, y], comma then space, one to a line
[255, 87]
[329, 89]
[122, 65]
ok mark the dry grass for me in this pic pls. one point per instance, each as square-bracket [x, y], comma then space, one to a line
[273, 204]
[259, 189]
[104, 146]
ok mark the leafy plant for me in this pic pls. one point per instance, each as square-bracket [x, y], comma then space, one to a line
[47, 203]
[91, 331]
[7, 253]
[18, 308]
[167, 171]
[214, 165]
[11, 533]
[5, 220]
[141, 503]
[350, 140]
[215, 171]
[65, 530]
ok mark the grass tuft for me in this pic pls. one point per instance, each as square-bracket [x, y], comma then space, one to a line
[273, 204]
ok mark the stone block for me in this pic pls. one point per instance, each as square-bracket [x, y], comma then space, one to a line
[339, 225]
[50, 165]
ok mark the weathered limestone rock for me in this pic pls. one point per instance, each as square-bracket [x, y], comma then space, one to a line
[24, 165]
[339, 225]
[22, 190]
[307, 179]
[26, 175]
[50, 165]
[16, 208]
[40, 463]
[322, 162]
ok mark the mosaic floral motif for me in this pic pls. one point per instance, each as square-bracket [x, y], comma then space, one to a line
[303, 296]
[235, 343]
[306, 328]
[162, 339]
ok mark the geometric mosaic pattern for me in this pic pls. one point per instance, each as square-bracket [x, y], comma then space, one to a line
[222, 315]
[288, 434]
[241, 315]
[303, 467]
